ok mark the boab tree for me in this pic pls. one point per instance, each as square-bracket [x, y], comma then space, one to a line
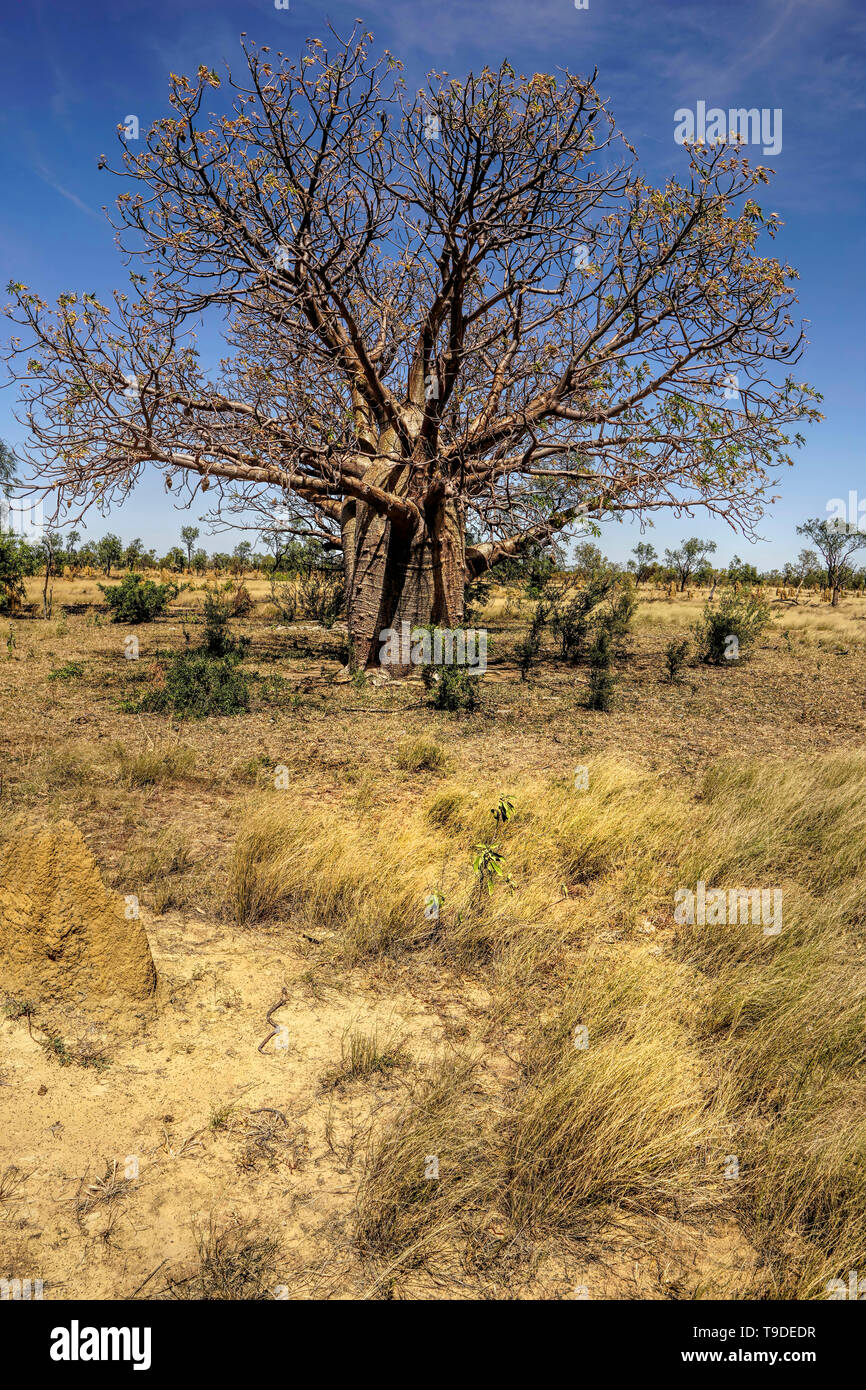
[460, 310]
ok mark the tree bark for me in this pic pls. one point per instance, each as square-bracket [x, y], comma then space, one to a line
[395, 575]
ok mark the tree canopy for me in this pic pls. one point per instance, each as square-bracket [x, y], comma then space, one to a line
[462, 308]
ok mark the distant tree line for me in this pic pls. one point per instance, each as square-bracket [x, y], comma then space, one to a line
[55, 553]
[827, 564]
[66, 553]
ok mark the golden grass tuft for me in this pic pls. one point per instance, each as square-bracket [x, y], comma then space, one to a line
[83, 764]
[703, 1042]
[366, 1054]
[421, 755]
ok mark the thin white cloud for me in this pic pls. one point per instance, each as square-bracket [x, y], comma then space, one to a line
[47, 177]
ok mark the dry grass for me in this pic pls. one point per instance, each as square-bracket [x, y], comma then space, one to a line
[701, 1042]
[365, 1054]
[236, 1260]
[809, 619]
[614, 1123]
[108, 1188]
[720, 1041]
[154, 766]
[421, 755]
[11, 1182]
[79, 763]
[158, 858]
[427, 1176]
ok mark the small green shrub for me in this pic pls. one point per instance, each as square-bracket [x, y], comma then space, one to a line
[453, 688]
[18, 1008]
[488, 865]
[607, 600]
[284, 597]
[676, 654]
[218, 640]
[322, 595]
[602, 684]
[728, 629]
[72, 670]
[137, 600]
[602, 681]
[13, 569]
[616, 619]
[572, 622]
[528, 649]
[197, 685]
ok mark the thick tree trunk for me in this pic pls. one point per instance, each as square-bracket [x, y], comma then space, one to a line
[395, 577]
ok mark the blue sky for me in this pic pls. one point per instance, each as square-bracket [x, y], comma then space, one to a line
[71, 73]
